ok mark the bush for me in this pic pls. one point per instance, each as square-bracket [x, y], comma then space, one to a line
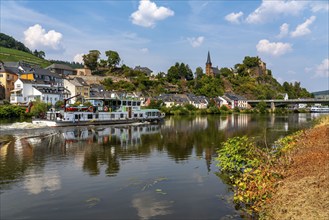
[11, 111]
[39, 108]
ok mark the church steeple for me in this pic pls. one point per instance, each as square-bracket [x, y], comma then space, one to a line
[208, 59]
[209, 66]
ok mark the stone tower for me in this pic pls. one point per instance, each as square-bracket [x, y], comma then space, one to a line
[209, 66]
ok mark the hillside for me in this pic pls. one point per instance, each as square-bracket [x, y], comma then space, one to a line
[12, 55]
[250, 78]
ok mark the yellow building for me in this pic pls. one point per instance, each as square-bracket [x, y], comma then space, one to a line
[7, 80]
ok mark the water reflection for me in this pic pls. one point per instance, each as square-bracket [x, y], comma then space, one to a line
[95, 147]
[149, 206]
[37, 183]
[98, 161]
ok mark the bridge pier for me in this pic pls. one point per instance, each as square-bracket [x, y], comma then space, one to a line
[272, 106]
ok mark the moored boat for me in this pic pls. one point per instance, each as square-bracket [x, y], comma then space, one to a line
[320, 109]
[102, 111]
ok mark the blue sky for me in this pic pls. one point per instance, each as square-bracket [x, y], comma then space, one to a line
[291, 37]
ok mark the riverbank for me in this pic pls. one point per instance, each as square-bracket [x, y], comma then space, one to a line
[304, 190]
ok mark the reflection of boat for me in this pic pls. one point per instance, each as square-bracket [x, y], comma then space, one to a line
[125, 135]
[320, 109]
[102, 111]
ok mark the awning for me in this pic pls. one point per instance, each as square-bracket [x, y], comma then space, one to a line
[16, 90]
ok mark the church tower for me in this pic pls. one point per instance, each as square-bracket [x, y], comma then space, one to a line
[209, 66]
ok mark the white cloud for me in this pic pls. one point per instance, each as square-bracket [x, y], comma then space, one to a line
[284, 30]
[196, 42]
[148, 13]
[303, 29]
[322, 70]
[234, 17]
[273, 48]
[78, 58]
[36, 37]
[319, 6]
[144, 50]
[270, 10]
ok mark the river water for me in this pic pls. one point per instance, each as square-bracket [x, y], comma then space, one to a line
[140, 171]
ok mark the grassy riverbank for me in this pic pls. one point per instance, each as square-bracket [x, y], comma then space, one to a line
[304, 190]
[287, 181]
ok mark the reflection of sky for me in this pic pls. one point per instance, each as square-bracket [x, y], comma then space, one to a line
[36, 183]
[148, 206]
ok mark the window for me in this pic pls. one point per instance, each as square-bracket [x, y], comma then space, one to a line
[1, 75]
[135, 115]
[112, 115]
[124, 102]
[134, 103]
[121, 115]
[90, 116]
[140, 115]
[129, 103]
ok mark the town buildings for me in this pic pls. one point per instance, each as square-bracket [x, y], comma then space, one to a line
[22, 83]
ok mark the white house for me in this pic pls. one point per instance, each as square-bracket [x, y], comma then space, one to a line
[236, 101]
[32, 90]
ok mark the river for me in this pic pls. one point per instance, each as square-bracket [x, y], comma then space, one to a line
[139, 171]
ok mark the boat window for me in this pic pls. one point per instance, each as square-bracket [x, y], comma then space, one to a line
[121, 115]
[135, 115]
[77, 116]
[90, 116]
[134, 103]
[112, 115]
[129, 103]
[138, 103]
[119, 102]
[96, 116]
[124, 102]
[141, 115]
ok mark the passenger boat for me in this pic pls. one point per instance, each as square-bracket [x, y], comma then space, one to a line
[102, 111]
[320, 109]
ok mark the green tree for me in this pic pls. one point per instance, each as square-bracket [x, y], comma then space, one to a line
[39, 54]
[261, 107]
[225, 72]
[178, 72]
[113, 58]
[209, 87]
[91, 59]
[250, 62]
[107, 83]
[198, 73]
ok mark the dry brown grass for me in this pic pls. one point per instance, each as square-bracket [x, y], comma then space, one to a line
[304, 191]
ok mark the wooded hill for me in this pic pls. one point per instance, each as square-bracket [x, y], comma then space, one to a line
[250, 78]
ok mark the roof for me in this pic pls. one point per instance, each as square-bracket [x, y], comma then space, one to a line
[45, 72]
[46, 89]
[143, 69]
[180, 98]
[11, 70]
[27, 81]
[208, 59]
[234, 97]
[78, 81]
[215, 70]
[60, 66]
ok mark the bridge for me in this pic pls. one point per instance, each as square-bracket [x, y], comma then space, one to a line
[280, 102]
